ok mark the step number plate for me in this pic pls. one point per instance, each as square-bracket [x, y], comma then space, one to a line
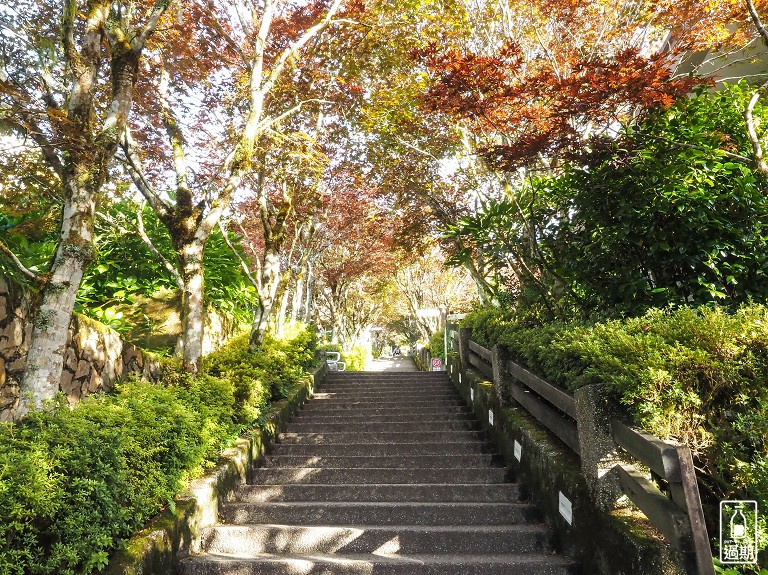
[490, 416]
[518, 450]
[566, 509]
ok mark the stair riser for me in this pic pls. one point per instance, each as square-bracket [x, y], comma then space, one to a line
[503, 493]
[358, 411]
[395, 401]
[210, 566]
[390, 462]
[377, 514]
[312, 475]
[384, 398]
[250, 540]
[405, 449]
[381, 437]
[425, 424]
[306, 417]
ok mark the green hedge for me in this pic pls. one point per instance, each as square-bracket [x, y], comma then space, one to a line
[696, 375]
[76, 483]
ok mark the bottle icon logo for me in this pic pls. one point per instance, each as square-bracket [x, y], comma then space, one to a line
[738, 532]
[738, 525]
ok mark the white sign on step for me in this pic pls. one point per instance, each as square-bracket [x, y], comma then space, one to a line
[437, 364]
[472, 393]
[566, 509]
[490, 416]
[459, 378]
[518, 450]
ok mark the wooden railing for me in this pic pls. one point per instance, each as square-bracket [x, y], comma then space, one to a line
[676, 512]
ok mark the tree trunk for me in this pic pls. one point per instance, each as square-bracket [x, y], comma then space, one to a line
[283, 312]
[45, 359]
[270, 282]
[192, 305]
[298, 296]
[310, 287]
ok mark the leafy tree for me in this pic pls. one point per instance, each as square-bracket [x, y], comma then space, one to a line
[67, 85]
[675, 214]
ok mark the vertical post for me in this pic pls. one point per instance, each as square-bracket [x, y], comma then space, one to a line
[599, 454]
[465, 334]
[501, 379]
[444, 321]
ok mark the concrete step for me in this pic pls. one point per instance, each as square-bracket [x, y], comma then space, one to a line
[389, 461]
[418, 424]
[319, 417]
[385, 513]
[336, 564]
[389, 395]
[383, 448]
[397, 492]
[253, 540]
[381, 437]
[362, 411]
[375, 387]
[266, 475]
[390, 402]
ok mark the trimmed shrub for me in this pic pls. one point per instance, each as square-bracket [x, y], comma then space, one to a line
[76, 483]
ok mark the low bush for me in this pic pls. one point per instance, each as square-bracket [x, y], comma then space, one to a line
[697, 375]
[76, 483]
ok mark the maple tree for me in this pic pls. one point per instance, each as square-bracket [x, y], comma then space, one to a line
[554, 78]
[244, 93]
[67, 87]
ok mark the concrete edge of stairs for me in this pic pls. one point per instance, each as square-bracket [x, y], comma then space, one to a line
[173, 533]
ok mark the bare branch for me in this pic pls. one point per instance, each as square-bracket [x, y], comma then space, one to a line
[238, 255]
[16, 262]
[756, 20]
[132, 163]
[148, 241]
[757, 148]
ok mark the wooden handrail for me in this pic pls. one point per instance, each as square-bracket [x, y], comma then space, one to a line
[679, 517]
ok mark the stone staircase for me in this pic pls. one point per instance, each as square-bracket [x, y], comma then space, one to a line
[380, 474]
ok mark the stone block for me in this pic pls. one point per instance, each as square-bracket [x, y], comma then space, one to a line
[3, 308]
[95, 382]
[83, 369]
[70, 360]
[68, 385]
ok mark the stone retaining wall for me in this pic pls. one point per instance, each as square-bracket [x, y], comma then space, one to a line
[96, 356]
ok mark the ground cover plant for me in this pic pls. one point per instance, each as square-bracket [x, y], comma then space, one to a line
[76, 483]
[697, 375]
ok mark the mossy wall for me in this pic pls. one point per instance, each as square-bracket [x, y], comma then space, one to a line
[95, 359]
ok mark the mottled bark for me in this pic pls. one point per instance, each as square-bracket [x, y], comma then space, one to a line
[270, 281]
[87, 147]
[192, 305]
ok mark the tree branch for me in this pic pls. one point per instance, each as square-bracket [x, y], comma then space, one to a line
[757, 148]
[16, 262]
[132, 163]
[172, 269]
[756, 20]
[238, 255]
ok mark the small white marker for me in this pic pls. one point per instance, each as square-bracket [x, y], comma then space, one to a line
[459, 378]
[565, 507]
[518, 450]
[490, 416]
[472, 393]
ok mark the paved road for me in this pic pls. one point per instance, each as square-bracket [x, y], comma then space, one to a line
[393, 364]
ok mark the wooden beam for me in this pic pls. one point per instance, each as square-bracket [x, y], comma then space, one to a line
[650, 450]
[550, 418]
[665, 515]
[556, 396]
